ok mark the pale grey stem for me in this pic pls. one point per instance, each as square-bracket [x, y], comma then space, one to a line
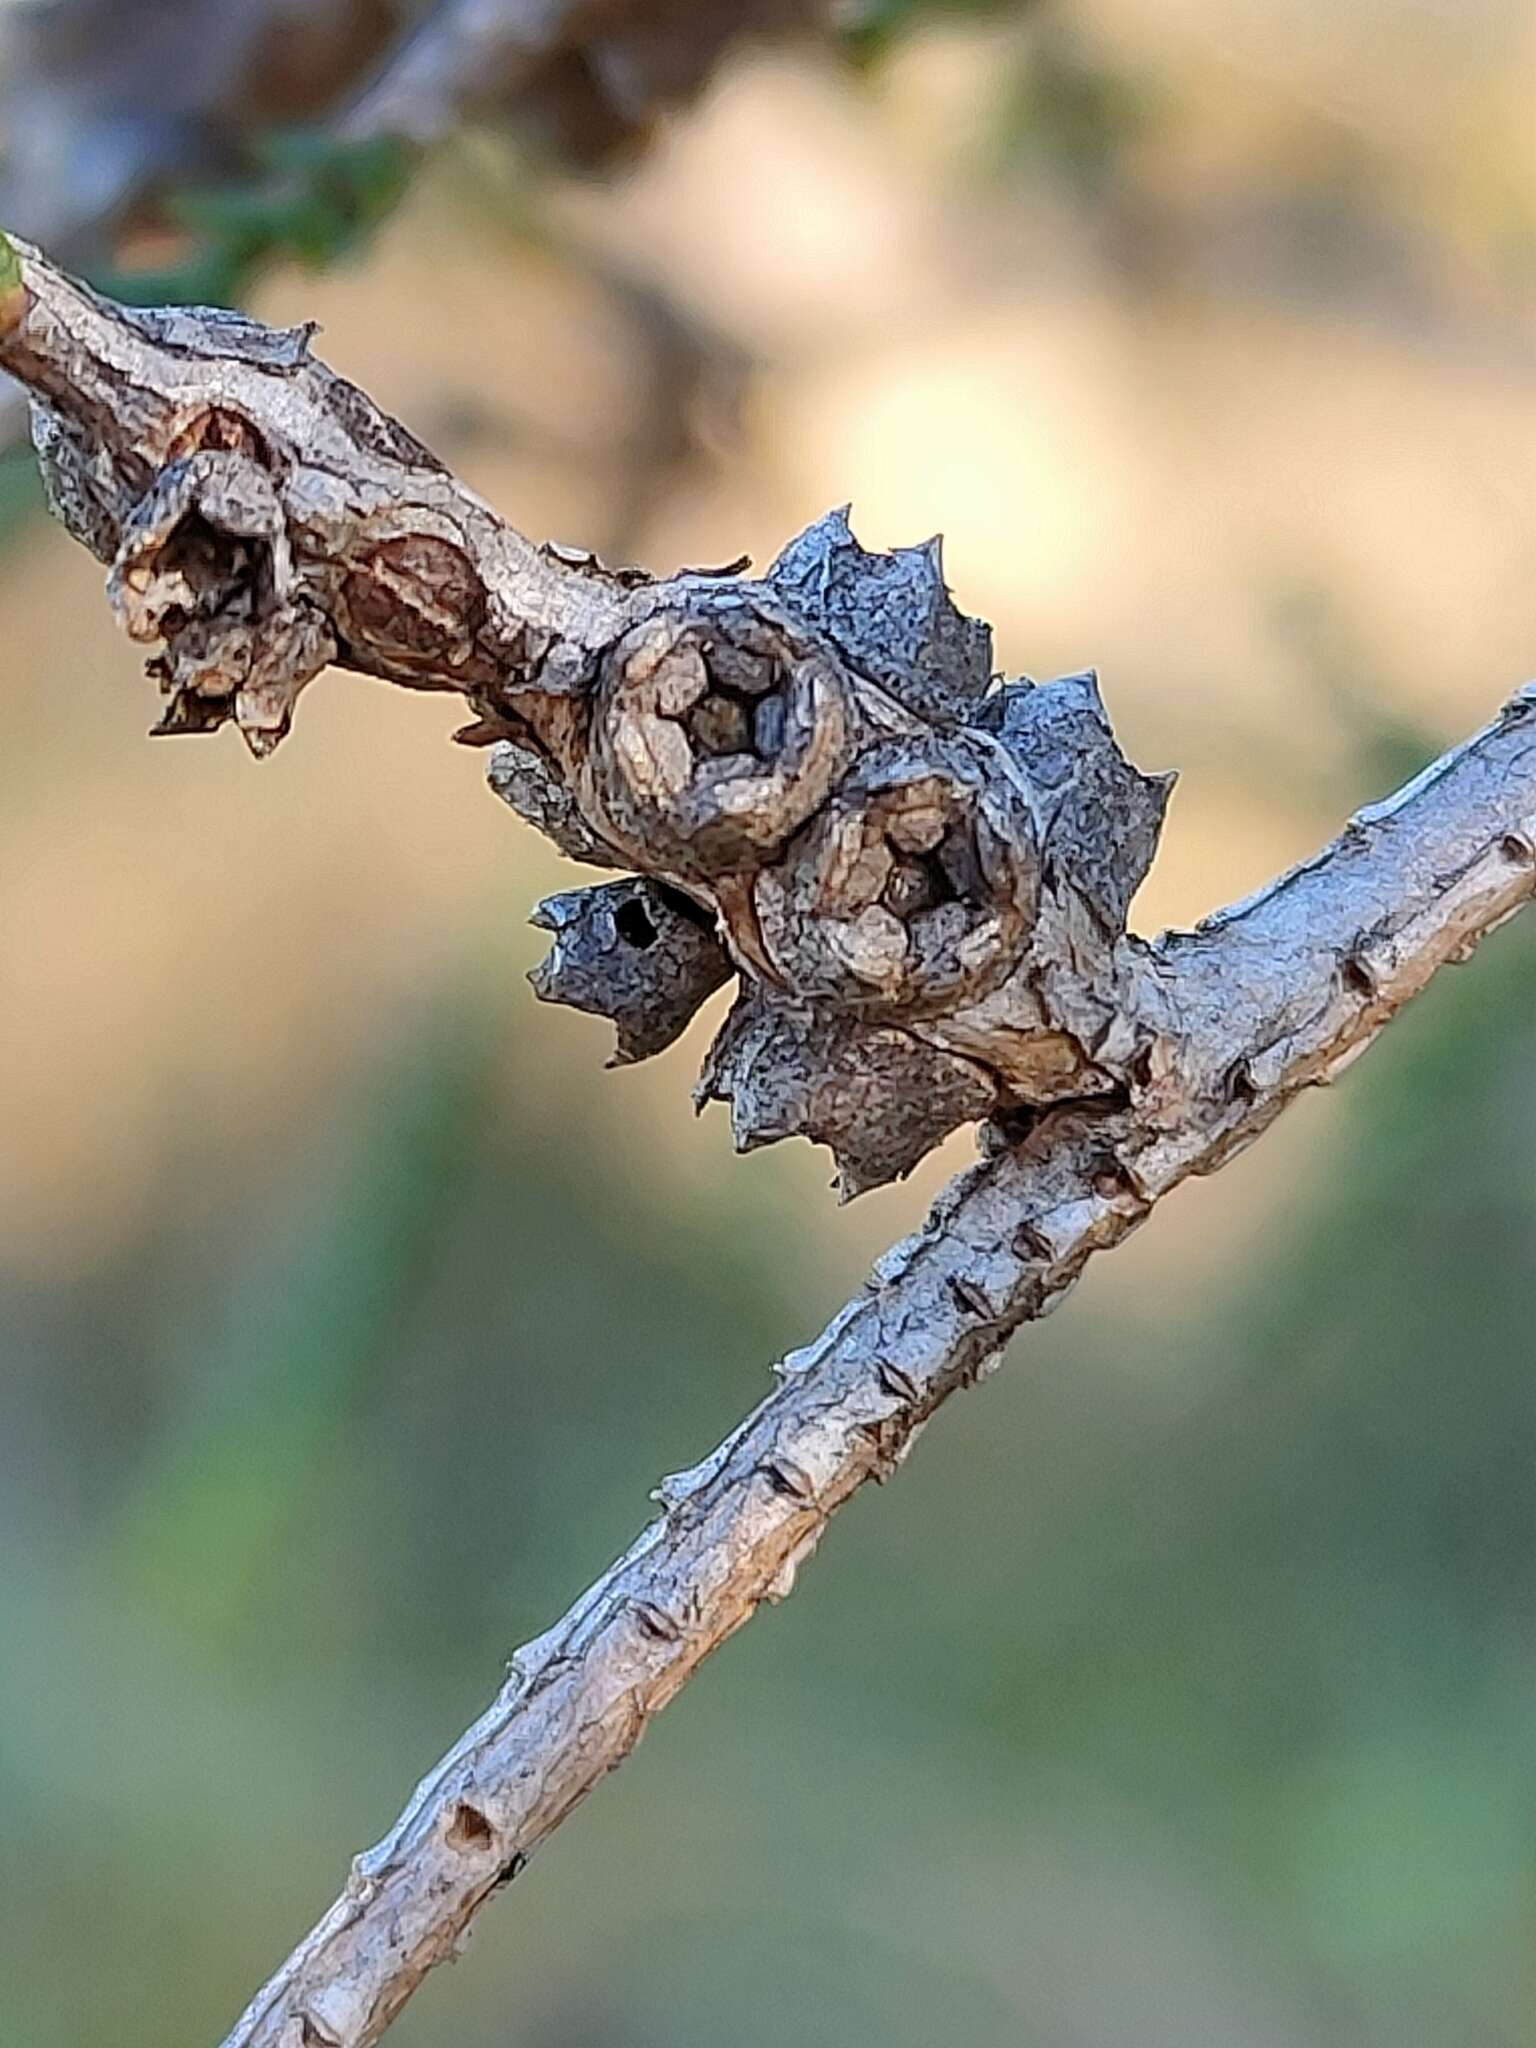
[1272, 996]
[473, 59]
[466, 54]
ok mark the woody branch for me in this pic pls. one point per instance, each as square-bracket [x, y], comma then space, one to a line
[917, 875]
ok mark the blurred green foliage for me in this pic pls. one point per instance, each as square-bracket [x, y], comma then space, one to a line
[309, 197]
[1070, 112]
[871, 30]
[1386, 747]
[20, 492]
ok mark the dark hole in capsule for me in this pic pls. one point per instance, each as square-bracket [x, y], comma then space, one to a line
[632, 922]
[202, 553]
[912, 887]
[941, 881]
[958, 863]
[682, 905]
[720, 724]
[948, 873]
[743, 710]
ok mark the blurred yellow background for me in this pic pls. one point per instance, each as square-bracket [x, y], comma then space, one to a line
[1184, 1690]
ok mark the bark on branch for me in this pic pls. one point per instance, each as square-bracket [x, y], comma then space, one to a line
[261, 517]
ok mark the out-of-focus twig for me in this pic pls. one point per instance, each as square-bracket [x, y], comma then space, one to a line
[121, 113]
[110, 110]
[107, 103]
[592, 77]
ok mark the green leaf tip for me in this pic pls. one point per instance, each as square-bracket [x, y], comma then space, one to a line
[13, 293]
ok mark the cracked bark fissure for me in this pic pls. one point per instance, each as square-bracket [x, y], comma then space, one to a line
[324, 531]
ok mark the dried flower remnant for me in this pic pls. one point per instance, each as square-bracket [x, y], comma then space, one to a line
[203, 564]
[876, 1096]
[1099, 818]
[891, 616]
[527, 781]
[635, 951]
[928, 917]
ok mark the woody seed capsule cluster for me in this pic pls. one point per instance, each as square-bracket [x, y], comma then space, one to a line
[809, 783]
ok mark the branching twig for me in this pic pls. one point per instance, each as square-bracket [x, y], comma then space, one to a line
[319, 530]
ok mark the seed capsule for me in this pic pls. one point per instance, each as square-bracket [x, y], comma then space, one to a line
[715, 736]
[915, 888]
